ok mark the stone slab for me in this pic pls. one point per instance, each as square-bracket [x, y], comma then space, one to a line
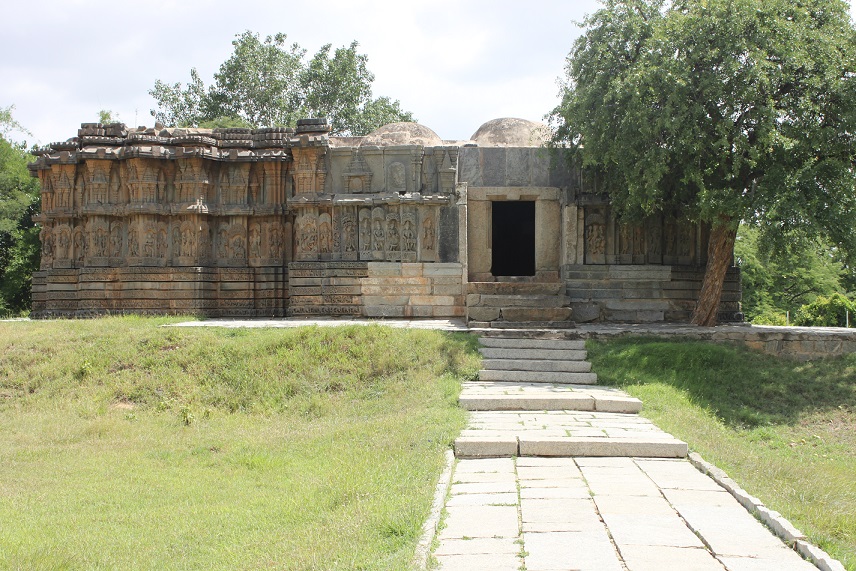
[562, 551]
[522, 343]
[480, 521]
[537, 365]
[538, 377]
[552, 446]
[485, 447]
[553, 354]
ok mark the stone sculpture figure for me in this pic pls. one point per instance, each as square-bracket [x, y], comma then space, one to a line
[276, 241]
[176, 242]
[350, 233]
[377, 235]
[255, 241]
[149, 244]
[133, 242]
[428, 233]
[63, 244]
[116, 239]
[397, 178]
[408, 234]
[78, 244]
[239, 251]
[324, 230]
[392, 236]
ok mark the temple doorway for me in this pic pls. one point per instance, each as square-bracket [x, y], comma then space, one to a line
[513, 238]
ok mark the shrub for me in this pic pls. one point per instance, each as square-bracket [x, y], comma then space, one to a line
[826, 312]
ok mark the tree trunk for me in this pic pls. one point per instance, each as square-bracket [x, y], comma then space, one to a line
[720, 251]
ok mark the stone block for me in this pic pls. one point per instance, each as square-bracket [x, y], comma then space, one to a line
[442, 269]
[585, 312]
[546, 446]
[469, 162]
[517, 167]
[523, 343]
[380, 300]
[538, 377]
[539, 354]
[383, 311]
[384, 269]
[493, 161]
[485, 447]
[411, 269]
[536, 314]
[433, 300]
[395, 289]
[541, 365]
[450, 289]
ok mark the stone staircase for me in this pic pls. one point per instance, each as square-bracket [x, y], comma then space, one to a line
[511, 304]
[537, 396]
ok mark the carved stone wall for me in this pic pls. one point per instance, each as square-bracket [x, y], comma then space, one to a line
[208, 221]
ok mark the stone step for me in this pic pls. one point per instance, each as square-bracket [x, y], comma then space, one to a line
[506, 327]
[549, 365]
[503, 301]
[524, 343]
[551, 354]
[477, 395]
[538, 377]
[564, 433]
[511, 288]
[542, 314]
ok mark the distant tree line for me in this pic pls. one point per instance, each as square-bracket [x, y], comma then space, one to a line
[266, 83]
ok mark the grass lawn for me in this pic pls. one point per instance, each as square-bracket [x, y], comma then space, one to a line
[125, 445]
[785, 431]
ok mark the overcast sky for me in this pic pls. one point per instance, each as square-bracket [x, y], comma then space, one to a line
[454, 64]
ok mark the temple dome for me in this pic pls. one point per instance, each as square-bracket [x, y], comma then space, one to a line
[402, 134]
[511, 132]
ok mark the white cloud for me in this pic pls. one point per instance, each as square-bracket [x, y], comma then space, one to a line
[453, 64]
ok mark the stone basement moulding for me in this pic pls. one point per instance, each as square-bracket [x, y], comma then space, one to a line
[280, 222]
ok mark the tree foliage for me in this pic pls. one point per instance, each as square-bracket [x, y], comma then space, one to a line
[269, 83]
[781, 280]
[722, 110]
[833, 311]
[20, 249]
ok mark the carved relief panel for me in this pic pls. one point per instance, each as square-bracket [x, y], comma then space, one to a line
[595, 235]
[428, 234]
[234, 183]
[144, 181]
[365, 233]
[191, 180]
[378, 233]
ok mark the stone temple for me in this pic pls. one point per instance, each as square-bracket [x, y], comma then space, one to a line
[399, 223]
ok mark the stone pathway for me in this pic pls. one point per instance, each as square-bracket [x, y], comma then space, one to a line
[555, 476]
[600, 514]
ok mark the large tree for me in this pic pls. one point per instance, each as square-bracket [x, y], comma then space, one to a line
[722, 110]
[20, 249]
[267, 83]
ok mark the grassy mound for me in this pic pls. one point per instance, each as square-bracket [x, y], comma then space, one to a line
[128, 445]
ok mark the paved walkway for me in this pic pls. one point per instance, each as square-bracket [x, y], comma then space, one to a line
[558, 476]
[600, 514]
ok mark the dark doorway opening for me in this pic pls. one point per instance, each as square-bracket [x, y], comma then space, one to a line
[513, 238]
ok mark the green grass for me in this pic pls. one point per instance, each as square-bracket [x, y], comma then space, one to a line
[125, 445]
[786, 431]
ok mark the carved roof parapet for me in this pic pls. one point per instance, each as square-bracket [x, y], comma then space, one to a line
[69, 145]
[102, 130]
[315, 126]
[147, 138]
